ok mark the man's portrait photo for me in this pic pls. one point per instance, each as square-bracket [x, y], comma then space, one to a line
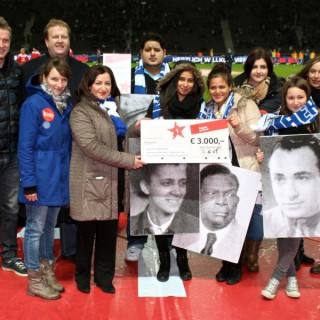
[164, 199]
[291, 185]
[227, 198]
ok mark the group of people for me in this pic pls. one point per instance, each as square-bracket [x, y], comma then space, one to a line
[67, 106]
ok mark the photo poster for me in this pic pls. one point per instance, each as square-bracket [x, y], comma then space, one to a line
[120, 64]
[282, 217]
[230, 238]
[185, 202]
[134, 106]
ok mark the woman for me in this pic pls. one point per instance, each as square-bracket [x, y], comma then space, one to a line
[180, 97]
[259, 82]
[241, 113]
[44, 156]
[311, 73]
[98, 132]
[295, 94]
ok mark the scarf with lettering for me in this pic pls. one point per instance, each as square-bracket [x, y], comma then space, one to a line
[273, 122]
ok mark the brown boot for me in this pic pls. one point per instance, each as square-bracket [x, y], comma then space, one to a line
[253, 254]
[38, 287]
[49, 276]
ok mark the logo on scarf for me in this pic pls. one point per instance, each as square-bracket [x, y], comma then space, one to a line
[47, 114]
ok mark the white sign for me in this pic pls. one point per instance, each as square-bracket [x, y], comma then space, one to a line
[185, 141]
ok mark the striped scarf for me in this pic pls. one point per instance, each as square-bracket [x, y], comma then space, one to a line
[210, 111]
[139, 79]
[273, 122]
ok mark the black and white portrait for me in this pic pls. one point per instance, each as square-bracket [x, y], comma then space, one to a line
[164, 199]
[291, 185]
[134, 106]
[227, 198]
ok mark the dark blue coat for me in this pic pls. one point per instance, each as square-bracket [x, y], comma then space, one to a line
[44, 148]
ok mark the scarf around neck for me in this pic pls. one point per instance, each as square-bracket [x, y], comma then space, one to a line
[210, 111]
[258, 93]
[59, 100]
[186, 109]
[139, 79]
[109, 105]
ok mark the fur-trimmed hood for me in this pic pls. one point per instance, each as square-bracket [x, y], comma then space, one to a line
[166, 80]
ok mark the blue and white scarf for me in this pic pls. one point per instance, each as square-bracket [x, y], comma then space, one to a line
[139, 79]
[273, 122]
[110, 106]
[210, 111]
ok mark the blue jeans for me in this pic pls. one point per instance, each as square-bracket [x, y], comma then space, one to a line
[39, 234]
[9, 209]
[255, 230]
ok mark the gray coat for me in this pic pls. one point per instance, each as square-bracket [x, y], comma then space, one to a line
[94, 164]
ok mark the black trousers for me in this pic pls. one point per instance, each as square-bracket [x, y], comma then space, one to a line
[104, 235]
[164, 241]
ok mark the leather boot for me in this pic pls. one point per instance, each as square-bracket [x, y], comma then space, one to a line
[252, 254]
[164, 269]
[49, 276]
[38, 287]
[301, 257]
[182, 262]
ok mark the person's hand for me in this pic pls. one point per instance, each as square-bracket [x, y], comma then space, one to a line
[32, 197]
[137, 125]
[260, 155]
[138, 163]
[234, 121]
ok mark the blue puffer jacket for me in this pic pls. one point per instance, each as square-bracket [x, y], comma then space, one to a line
[44, 148]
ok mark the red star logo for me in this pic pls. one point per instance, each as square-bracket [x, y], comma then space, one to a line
[177, 131]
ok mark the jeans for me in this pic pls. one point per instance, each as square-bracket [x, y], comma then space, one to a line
[135, 241]
[39, 234]
[9, 209]
[255, 230]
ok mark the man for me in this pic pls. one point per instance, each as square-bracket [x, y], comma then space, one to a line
[294, 168]
[165, 185]
[10, 82]
[57, 35]
[151, 67]
[229, 58]
[22, 56]
[221, 235]
[144, 79]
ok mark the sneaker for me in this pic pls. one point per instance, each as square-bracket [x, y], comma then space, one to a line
[15, 265]
[292, 289]
[132, 254]
[270, 290]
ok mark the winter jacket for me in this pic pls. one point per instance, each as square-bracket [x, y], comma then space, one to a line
[244, 139]
[94, 164]
[44, 148]
[10, 82]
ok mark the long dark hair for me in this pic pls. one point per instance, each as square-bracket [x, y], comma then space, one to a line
[303, 73]
[90, 77]
[256, 54]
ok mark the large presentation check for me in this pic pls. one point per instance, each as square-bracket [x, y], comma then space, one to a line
[184, 141]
